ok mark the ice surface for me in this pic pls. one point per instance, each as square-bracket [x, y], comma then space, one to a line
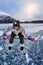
[34, 50]
[1, 48]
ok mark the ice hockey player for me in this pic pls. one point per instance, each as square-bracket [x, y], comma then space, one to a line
[16, 29]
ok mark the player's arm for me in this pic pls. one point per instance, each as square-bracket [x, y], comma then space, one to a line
[4, 35]
[27, 36]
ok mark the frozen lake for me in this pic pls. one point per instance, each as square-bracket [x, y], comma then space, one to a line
[35, 49]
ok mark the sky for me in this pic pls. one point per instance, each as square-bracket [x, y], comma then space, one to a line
[24, 10]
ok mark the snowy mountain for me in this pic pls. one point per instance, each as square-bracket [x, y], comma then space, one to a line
[6, 19]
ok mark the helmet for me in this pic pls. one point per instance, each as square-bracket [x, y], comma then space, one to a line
[16, 23]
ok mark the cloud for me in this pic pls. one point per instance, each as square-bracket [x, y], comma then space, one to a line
[23, 9]
[28, 11]
[3, 13]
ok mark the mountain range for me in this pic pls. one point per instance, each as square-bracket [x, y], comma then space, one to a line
[9, 19]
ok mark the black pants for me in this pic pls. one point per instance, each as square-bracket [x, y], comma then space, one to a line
[21, 37]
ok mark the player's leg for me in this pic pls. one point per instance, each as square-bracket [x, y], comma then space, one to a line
[11, 42]
[21, 37]
[22, 47]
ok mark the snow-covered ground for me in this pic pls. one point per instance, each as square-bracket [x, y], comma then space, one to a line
[34, 50]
